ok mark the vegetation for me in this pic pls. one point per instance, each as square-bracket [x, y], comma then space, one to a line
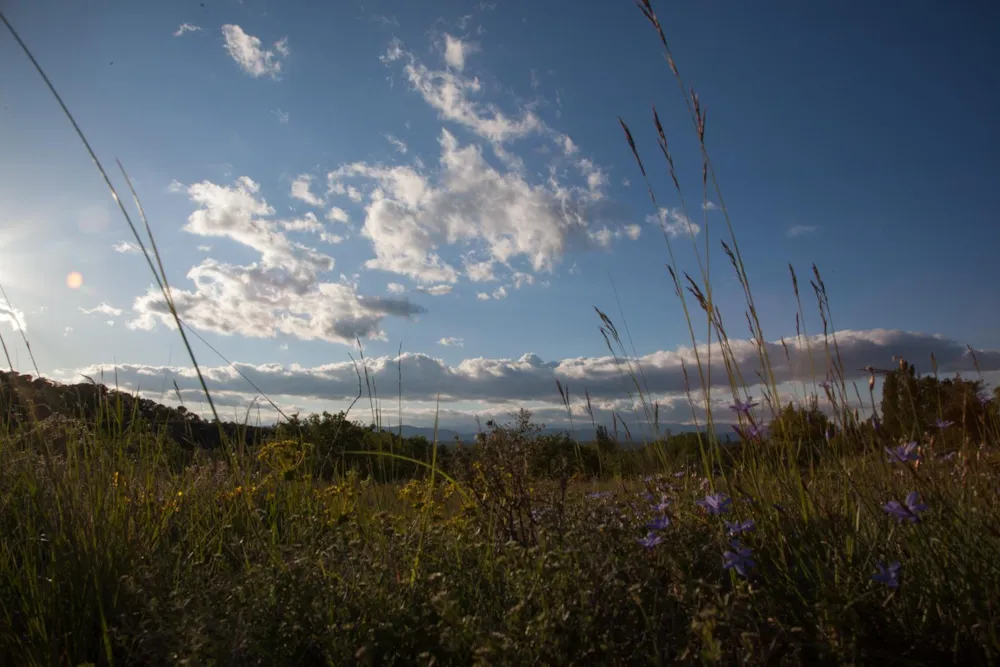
[135, 534]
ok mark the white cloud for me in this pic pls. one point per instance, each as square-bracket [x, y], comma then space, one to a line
[508, 381]
[250, 55]
[480, 272]
[282, 116]
[125, 247]
[456, 51]
[451, 341]
[568, 147]
[394, 52]
[396, 288]
[186, 27]
[175, 187]
[450, 93]
[674, 223]
[205, 248]
[67, 331]
[633, 231]
[520, 279]
[12, 316]
[482, 296]
[709, 206]
[301, 191]
[597, 180]
[282, 292]
[337, 214]
[435, 290]
[103, 309]
[799, 230]
[308, 223]
[500, 293]
[409, 216]
[397, 143]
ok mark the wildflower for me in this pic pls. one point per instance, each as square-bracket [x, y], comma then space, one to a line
[903, 453]
[663, 504]
[598, 494]
[743, 408]
[650, 541]
[715, 503]
[737, 527]
[888, 575]
[659, 523]
[943, 424]
[679, 474]
[907, 512]
[739, 559]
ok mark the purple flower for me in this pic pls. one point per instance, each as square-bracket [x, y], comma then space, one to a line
[888, 575]
[662, 505]
[659, 523]
[679, 474]
[599, 494]
[942, 424]
[907, 512]
[716, 503]
[737, 527]
[743, 407]
[650, 541]
[903, 453]
[739, 559]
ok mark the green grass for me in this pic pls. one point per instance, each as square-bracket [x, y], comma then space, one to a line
[115, 550]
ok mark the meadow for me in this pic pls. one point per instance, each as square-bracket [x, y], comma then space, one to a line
[814, 537]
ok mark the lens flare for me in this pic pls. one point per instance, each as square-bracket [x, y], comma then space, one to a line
[74, 280]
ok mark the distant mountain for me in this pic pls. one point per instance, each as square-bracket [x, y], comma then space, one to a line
[584, 434]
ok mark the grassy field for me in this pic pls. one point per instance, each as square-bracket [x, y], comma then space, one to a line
[876, 546]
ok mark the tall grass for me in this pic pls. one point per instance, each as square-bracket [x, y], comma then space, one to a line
[112, 553]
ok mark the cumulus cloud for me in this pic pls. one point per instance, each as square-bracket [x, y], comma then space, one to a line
[674, 223]
[301, 190]
[451, 341]
[186, 27]
[283, 292]
[337, 214]
[530, 379]
[251, 56]
[799, 230]
[410, 216]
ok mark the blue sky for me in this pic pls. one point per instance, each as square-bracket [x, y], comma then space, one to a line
[431, 173]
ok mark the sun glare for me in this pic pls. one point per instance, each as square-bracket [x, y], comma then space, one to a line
[74, 280]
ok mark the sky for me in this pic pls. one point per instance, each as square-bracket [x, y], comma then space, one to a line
[449, 181]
